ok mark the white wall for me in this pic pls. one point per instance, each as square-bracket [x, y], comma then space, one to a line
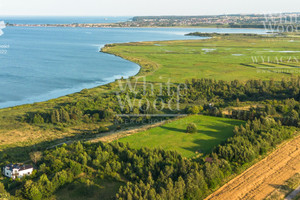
[25, 172]
[7, 172]
[22, 173]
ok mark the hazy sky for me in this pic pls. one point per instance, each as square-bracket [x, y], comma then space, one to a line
[144, 7]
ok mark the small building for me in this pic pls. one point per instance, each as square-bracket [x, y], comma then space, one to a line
[209, 159]
[17, 170]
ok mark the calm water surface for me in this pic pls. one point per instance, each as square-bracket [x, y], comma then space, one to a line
[41, 63]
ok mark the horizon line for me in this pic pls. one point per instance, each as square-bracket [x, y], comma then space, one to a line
[160, 15]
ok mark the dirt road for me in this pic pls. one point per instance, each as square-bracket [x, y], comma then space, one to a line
[293, 194]
[263, 177]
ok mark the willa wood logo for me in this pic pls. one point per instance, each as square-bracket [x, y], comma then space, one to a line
[2, 26]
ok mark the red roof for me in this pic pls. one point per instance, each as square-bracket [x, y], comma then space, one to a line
[208, 159]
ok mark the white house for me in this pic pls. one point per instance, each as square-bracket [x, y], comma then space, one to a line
[17, 171]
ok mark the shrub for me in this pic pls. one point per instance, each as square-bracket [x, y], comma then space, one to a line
[103, 129]
[191, 128]
[38, 119]
[194, 109]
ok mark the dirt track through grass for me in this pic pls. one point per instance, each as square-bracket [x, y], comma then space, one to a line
[263, 177]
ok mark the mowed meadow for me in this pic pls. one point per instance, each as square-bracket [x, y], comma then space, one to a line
[211, 131]
[226, 57]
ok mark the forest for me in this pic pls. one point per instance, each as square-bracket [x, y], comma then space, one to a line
[149, 173]
[156, 173]
[278, 98]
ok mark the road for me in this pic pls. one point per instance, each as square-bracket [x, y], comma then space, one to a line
[293, 194]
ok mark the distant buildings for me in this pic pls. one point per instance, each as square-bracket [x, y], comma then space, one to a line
[228, 21]
[17, 171]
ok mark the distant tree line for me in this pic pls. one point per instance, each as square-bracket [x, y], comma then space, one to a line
[201, 34]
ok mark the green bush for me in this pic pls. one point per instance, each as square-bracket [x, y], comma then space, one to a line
[38, 119]
[194, 109]
[103, 129]
[191, 128]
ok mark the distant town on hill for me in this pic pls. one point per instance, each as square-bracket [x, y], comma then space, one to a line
[271, 21]
[233, 20]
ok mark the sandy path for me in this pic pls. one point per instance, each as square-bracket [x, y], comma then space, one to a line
[293, 194]
[263, 177]
[114, 135]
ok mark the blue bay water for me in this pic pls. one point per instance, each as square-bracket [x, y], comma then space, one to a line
[42, 63]
[63, 20]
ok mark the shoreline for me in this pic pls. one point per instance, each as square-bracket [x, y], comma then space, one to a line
[118, 26]
[95, 85]
[78, 91]
[73, 90]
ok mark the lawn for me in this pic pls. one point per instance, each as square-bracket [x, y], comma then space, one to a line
[172, 136]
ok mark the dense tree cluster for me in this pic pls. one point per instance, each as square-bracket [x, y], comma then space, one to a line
[252, 90]
[287, 111]
[155, 173]
[152, 173]
[254, 138]
[159, 174]
[198, 94]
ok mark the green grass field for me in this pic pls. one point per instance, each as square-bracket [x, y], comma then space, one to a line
[211, 132]
[222, 58]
